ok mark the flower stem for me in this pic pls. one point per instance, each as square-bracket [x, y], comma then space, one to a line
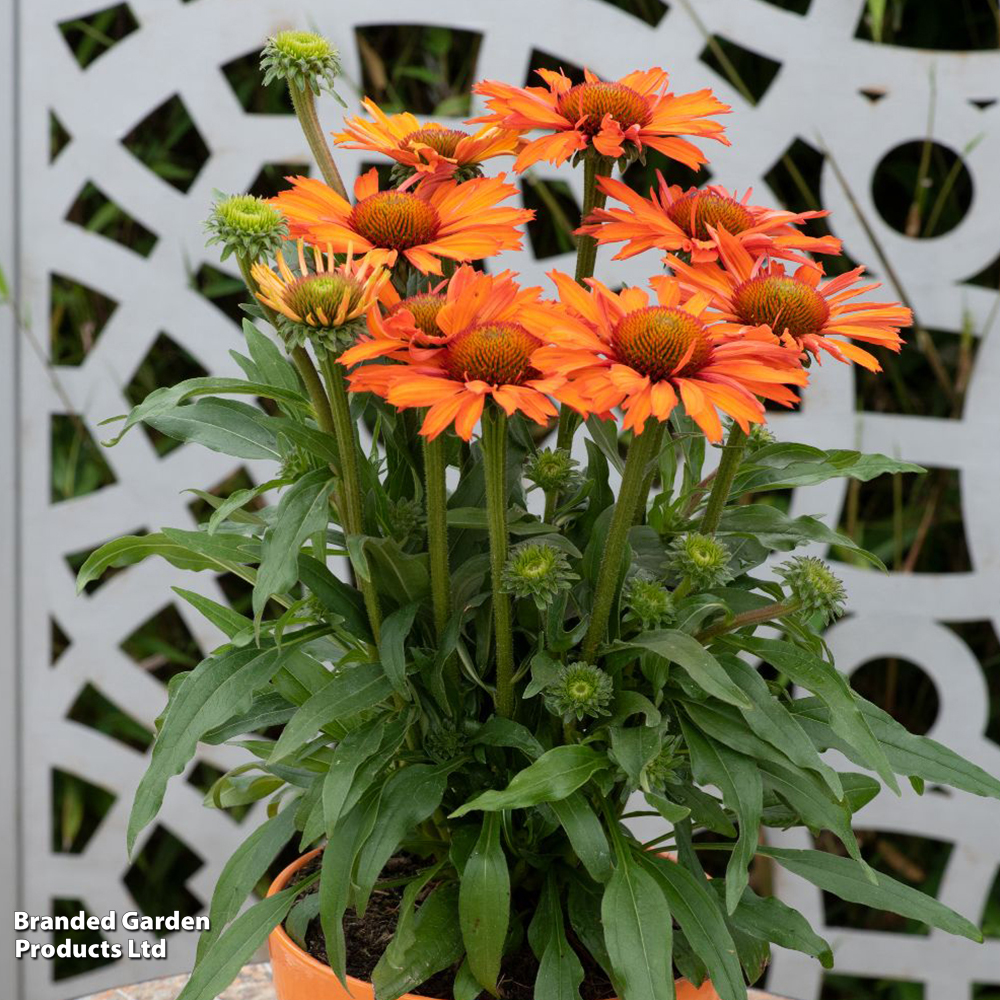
[437, 531]
[300, 356]
[643, 450]
[594, 166]
[495, 462]
[350, 498]
[647, 484]
[756, 617]
[304, 102]
[732, 455]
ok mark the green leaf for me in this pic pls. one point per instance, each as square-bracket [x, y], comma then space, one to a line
[436, 944]
[699, 915]
[349, 691]
[223, 425]
[846, 879]
[670, 811]
[168, 397]
[914, 756]
[233, 949]
[244, 869]
[633, 748]
[395, 629]
[825, 681]
[219, 687]
[269, 359]
[304, 510]
[705, 809]
[555, 775]
[353, 750]
[586, 834]
[769, 919]
[267, 709]
[501, 732]
[336, 596]
[742, 790]
[638, 932]
[774, 529]
[559, 970]
[220, 615]
[698, 662]
[222, 548]
[484, 904]
[238, 499]
[409, 796]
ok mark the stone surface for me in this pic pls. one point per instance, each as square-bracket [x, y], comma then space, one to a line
[254, 983]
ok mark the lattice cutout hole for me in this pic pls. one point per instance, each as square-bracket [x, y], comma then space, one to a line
[157, 878]
[94, 211]
[78, 315]
[162, 645]
[244, 77]
[900, 688]
[986, 991]
[68, 968]
[78, 809]
[75, 561]
[59, 138]
[224, 291]
[919, 862]
[271, 178]
[90, 37]
[989, 921]
[77, 463]
[94, 710]
[793, 6]
[911, 521]
[643, 177]
[981, 638]
[540, 59]
[429, 69]
[928, 378]
[165, 363]
[59, 642]
[983, 102]
[795, 180]
[557, 214]
[873, 94]
[749, 72]
[939, 27]
[838, 987]
[988, 277]
[922, 189]
[650, 11]
[168, 142]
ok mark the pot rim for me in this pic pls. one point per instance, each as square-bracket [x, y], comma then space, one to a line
[281, 936]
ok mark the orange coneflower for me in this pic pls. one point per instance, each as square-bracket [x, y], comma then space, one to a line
[615, 349]
[490, 328]
[800, 310]
[322, 299]
[673, 219]
[633, 112]
[428, 148]
[458, 221]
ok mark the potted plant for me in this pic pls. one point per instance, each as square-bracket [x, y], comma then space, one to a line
[455, 740]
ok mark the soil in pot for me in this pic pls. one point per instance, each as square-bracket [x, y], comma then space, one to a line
[367, 939]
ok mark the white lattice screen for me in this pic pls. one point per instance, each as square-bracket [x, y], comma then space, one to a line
[178, 49]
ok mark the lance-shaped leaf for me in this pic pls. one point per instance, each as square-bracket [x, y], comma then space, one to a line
[223, 425]
[484, 904]
[395, 629]
[555, 775]
[559, 970]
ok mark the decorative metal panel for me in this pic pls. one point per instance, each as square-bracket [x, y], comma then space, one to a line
[177, 49]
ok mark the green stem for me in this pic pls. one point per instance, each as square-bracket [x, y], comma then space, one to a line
[641, 452]
[732, 455]
[594, 166]
[304, 102]
[300, 356]
[569, 421]
[350, 505]
[756, 617]
[495, 462]
[437, 531]
[647, 484]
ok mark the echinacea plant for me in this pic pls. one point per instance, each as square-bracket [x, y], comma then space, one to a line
[470, 653]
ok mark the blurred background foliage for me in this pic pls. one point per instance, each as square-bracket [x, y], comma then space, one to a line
[914, 523]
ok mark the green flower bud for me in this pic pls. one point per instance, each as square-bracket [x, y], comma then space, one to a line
[246, 226]
[812, 584]
[537, 570]
[296, 462]
[303, 59]
[701, 559]
[552, 469]
[648, 602]
[665, 768]
[759, 437]
[406, 520]
[580, 690]
[443, 745]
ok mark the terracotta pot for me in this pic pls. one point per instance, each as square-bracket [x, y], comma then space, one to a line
[299, 976]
